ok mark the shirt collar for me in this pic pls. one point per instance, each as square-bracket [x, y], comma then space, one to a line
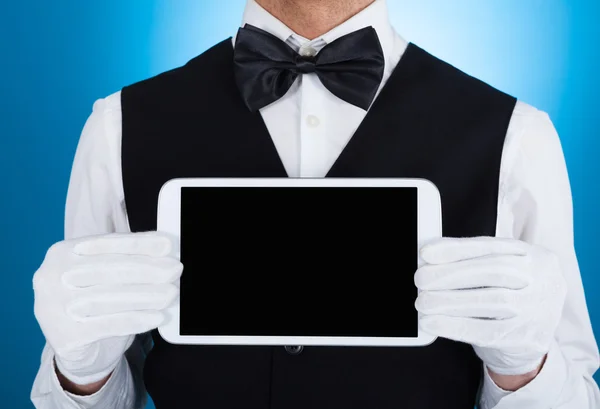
[375, 15]
[257, 16]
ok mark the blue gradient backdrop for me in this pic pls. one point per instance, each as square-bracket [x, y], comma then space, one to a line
[57, 57]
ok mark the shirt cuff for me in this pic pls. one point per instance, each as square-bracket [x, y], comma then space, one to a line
[491, 394]
[114, 394]
[541, 393]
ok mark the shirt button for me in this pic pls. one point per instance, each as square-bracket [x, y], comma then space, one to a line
[294, 350]
[307, 51]
[312, 121]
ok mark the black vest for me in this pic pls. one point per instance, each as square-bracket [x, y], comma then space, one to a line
[430, 121]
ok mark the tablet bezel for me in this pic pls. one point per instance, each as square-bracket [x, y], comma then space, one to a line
[168, 221]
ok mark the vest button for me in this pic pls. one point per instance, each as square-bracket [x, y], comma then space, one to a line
[294, 350]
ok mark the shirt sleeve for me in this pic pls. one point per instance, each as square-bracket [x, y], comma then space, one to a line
[535, 205]
[95, 205]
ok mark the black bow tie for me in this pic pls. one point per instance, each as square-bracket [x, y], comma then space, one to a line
[351, 67]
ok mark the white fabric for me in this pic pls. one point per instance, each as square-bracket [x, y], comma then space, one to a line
[534, 205]
[93, 295]
[503, 296]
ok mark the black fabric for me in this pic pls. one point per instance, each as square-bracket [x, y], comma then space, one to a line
[351, 67]
[431, 121]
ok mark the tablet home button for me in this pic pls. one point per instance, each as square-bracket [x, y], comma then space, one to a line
[294, 350]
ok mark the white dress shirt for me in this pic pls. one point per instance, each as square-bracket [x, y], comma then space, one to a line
[310, 127]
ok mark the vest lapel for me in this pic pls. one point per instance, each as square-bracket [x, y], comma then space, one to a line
[384, 145]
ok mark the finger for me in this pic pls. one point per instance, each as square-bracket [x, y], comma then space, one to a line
[123, 324]
[123, 269]
[450, 250]
[152, 244]
[490, 303]
[492, 271]
[474, 331]
[121, 299]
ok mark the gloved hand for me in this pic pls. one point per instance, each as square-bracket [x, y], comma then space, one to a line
[93, 295]
[503, 296]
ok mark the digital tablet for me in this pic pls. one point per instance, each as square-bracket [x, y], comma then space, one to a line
[298, 262]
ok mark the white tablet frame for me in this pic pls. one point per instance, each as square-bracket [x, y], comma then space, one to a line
[169, 216]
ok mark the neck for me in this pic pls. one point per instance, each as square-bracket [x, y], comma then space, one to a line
[313, 18]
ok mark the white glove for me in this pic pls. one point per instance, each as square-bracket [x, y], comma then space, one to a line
[93, 295]
[503, 296]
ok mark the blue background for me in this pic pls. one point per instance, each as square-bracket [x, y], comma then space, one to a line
[57, 57]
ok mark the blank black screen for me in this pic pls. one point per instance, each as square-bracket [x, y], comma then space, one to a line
[318, 261]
